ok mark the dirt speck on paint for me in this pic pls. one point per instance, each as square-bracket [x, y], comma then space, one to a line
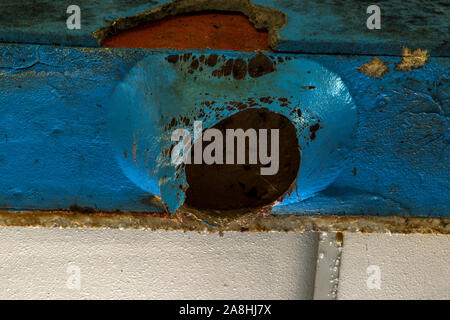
[375, 68]
[412, 59]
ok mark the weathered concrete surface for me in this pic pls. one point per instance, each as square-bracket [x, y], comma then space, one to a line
[410, 267]
[312, 26]
[135, 264]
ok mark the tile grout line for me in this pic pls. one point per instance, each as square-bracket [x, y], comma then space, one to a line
[329, 251]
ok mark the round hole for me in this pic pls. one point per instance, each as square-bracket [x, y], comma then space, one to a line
[238, 186]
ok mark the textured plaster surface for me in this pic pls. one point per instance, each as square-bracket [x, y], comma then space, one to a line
[140, 264]
[56, 102]
[411, 267]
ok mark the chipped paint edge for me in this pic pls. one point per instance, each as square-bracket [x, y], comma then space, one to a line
[262, 17]
[180, 221]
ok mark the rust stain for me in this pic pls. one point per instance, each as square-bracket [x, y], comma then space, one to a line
[340, 238]
[225, 70]
[172, 58]
[222, 31]
[412, 59]
[375, 68]
[267, 100]
[251, 223]
[261, 18]
[238, 68]
[260, 65]
[212, 60]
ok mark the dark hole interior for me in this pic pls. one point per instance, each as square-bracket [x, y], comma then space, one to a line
[238, 186]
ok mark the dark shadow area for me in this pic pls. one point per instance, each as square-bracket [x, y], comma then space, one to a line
[238, 186]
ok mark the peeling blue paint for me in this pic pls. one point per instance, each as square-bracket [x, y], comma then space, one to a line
[56, 146]
[144, 105]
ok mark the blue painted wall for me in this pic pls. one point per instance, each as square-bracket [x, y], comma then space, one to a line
[57, 147]
[313, 26]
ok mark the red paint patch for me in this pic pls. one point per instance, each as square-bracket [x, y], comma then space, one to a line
[222, 31]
